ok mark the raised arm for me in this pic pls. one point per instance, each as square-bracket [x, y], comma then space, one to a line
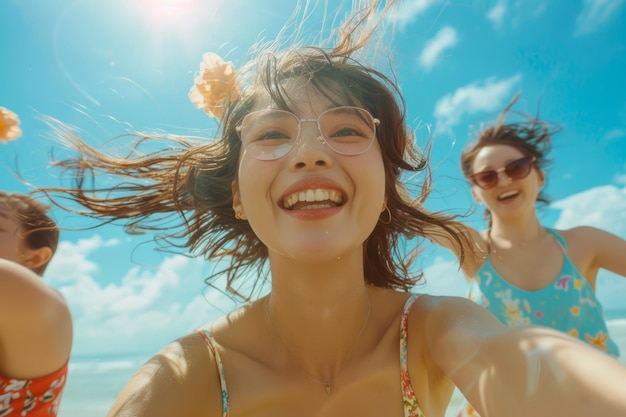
[521, 371]
[592, 249]
[473, 246]
[35, 324]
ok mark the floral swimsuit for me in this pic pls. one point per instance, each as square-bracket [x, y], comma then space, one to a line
[411, 408]
[568, 304]
[36, 397]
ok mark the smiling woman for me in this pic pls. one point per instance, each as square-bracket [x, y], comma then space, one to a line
[525, 273]
[99, 66]
[304, 188]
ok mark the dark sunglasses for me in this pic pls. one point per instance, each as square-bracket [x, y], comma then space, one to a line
[516, 170]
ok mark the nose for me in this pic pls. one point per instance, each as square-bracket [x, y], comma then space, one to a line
[503, 176]
[310, 150]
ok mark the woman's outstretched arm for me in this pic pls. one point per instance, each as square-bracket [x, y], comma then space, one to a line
[521, 371]
[596, 249]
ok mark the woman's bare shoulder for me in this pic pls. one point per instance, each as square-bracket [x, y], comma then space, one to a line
[450, 319]
[181, 379]
[441, 307]
[31, 311]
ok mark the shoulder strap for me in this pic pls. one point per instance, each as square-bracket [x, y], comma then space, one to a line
[560, 239]
[411, 407]
[206, 335]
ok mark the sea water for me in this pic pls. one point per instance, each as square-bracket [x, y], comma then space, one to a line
[94, 382]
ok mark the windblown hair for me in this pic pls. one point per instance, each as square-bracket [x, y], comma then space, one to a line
[532, 137]
[36, 228]
[194, 181]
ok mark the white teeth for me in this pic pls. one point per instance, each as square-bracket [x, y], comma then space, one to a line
[312, 195]
[315, 206]
[505, 195]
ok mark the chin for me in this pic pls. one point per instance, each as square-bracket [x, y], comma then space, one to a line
[318, 251]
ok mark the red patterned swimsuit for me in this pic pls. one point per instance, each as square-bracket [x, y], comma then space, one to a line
[36, 397]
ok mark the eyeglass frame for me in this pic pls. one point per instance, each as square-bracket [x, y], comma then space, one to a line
[375, 122]
[505, 168]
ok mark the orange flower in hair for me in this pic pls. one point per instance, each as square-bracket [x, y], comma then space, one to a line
[214, 86]
[9, 123]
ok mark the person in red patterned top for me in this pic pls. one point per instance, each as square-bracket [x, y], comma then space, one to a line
[35, 321]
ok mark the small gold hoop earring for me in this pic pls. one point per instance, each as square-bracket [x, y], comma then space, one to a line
[388, 213]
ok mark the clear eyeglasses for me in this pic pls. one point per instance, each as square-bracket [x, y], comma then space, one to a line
[270, 134]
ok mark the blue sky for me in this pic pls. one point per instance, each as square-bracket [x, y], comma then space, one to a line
[109, 67]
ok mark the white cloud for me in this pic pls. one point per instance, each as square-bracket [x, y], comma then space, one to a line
[595, 14]
[142, 311]
[514, 13]
[444, 39]
[486, 96]
[605, 208]
[496, 14]
[70, 261]
[444, 277]
[408, 10]
[540, 10]
[614, 134]
[602, 207]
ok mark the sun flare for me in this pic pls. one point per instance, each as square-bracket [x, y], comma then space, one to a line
[168, 13]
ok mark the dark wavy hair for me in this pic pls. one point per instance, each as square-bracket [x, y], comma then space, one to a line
[36, 227]
[194, 181]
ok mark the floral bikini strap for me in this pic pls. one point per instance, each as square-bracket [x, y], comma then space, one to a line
[411, 407]
[220, 368]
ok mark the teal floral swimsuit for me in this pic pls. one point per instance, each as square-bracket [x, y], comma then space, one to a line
[568, 304]
[411, 408]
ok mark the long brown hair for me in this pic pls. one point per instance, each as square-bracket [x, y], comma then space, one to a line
[194, 181]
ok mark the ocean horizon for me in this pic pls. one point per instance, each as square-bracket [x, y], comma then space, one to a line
[94, 382]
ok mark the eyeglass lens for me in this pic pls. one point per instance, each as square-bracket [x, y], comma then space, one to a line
[518, 169]
[270, 134]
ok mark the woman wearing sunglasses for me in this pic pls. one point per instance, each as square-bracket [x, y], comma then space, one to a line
[523, 272]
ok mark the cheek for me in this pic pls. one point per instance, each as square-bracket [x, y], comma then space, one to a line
[254, 180]
[477, 194]
[9, 250]
[372, 171]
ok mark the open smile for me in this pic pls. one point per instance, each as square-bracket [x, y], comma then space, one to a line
[508, 195]
[313, 198]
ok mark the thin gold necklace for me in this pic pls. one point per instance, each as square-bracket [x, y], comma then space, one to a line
[327, 384]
